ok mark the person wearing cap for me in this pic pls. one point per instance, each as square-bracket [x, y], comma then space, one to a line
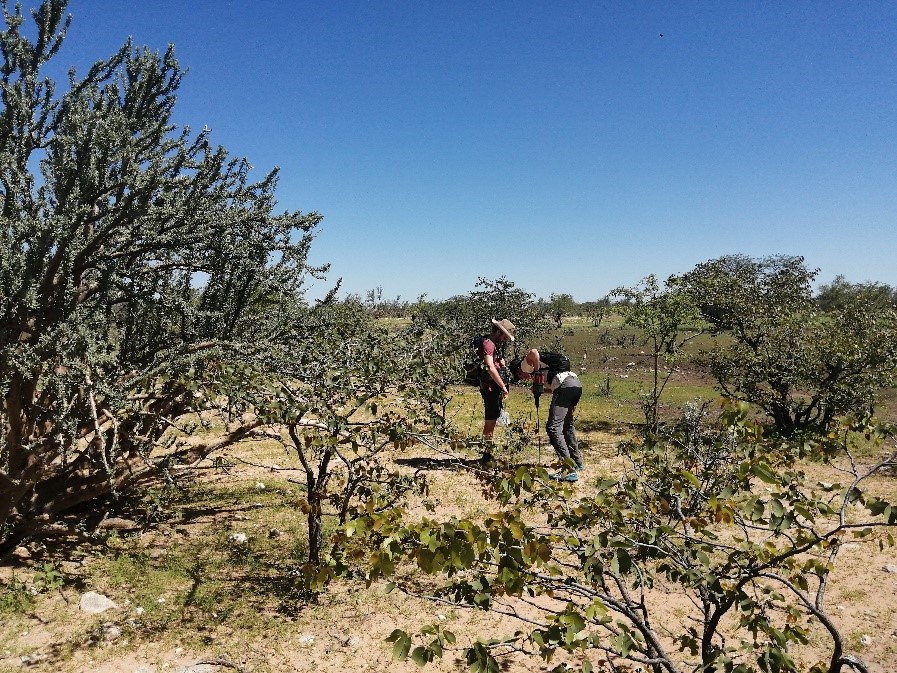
[566, 391]
[494, 388]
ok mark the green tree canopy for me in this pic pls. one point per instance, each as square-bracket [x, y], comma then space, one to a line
[841, 294]
[464, 317]
[667, 318]
[560, 306]
[800, 368]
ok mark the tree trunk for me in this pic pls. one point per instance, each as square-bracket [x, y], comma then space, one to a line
[315, 529]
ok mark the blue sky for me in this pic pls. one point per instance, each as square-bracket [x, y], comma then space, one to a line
[570, 146]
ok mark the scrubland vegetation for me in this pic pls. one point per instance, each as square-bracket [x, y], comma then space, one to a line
[268, 483]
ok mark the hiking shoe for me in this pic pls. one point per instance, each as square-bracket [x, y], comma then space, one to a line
[570, 476]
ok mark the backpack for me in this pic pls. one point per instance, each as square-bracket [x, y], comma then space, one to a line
[554, 363]
[473, 369]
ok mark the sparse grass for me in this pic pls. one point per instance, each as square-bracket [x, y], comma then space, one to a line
[854, 595]
[857, 641]
[220, 597]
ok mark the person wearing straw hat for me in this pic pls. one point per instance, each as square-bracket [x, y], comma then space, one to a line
[494, 386]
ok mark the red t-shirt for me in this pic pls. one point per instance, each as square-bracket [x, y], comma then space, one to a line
[490, 349]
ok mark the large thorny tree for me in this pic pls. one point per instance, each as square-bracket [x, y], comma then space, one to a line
[137, 263]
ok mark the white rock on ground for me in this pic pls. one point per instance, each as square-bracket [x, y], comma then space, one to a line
[94, 603]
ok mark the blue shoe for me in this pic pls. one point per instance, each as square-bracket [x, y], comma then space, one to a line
[570, 476]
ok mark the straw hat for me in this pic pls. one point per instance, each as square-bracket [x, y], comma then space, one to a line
[505, 326]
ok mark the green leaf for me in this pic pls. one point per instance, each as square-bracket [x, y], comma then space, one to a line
[763, 472]
[401, 647]
[395, 635]
[420, 656]
[691, 478]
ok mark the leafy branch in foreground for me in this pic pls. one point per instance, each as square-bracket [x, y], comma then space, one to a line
[717, 520]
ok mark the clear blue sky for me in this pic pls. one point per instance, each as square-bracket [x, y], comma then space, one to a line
[570, 146]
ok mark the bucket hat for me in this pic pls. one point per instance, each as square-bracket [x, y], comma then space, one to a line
[505, 326]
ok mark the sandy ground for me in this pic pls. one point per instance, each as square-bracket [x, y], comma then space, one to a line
[346, 630]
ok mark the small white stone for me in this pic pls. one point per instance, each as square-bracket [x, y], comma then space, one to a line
[890, 568]
[111, 632]
[866, 640]
[94, 603]
[259, 486]
[238, 538]
[306, 639]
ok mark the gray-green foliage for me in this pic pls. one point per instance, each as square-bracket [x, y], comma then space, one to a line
[464, 317]
[359, 389]
[841, 294]
[138, 263]
[800, 367]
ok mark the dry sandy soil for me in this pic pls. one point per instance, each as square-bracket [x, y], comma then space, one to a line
[345, 630]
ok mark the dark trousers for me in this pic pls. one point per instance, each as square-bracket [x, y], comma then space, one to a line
[559, 426]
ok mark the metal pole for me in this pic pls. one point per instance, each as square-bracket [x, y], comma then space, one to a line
[538, 433]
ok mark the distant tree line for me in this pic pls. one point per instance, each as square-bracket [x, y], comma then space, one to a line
[836, 295]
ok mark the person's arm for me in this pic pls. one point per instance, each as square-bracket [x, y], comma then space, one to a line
[535, 362]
